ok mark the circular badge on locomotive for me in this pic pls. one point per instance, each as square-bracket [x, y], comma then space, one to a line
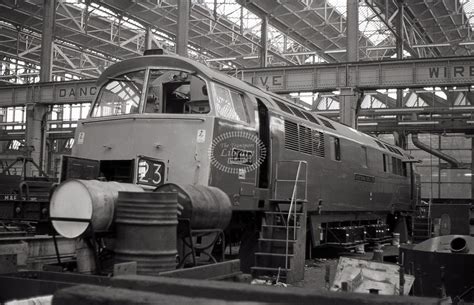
[235, 152]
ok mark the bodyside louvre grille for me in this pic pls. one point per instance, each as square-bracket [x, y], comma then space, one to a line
[305, 140]
[318, 143]
[291, 136]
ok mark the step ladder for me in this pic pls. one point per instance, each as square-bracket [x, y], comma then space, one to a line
[422, 224]
[282, 239]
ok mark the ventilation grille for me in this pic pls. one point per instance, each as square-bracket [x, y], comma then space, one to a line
[318, 143]
[327, 124]
[291, 136]
[304, 139]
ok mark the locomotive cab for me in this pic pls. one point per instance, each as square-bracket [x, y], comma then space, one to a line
[155, 119]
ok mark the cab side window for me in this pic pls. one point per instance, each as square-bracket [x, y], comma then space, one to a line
[229, 104]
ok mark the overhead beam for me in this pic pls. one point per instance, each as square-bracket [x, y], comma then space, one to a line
[408, 73]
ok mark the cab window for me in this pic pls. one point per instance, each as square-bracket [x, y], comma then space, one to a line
[229, 104]
[120, 95]
[173, 91]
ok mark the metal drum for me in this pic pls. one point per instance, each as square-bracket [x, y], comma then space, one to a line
[90, 200]
[206, 207]
[146, 225]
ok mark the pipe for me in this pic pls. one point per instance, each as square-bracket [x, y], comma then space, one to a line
[459, 245]
[454, 163]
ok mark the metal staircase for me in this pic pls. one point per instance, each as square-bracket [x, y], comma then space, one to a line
[282, 239]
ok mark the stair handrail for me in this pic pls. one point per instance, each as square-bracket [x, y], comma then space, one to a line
[292, 203]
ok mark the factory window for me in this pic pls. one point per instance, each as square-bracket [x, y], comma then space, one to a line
[335, 149]
[120, 95]
[229, 104]
[172, 91]
[15, 144]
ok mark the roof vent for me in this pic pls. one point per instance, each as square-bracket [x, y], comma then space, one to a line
[153, 52]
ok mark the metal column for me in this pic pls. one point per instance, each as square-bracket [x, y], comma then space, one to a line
[348, 97]
[264, 42]
[47, 37]
[182, 34]
[36, 113]
[352, 30]
[148, 38]
[400, 138]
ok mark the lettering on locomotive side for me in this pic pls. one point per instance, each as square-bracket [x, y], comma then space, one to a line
[79, 92]
[364, 178]
[455, 71]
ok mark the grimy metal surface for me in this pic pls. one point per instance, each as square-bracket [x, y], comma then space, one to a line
[82, 91]
[206, 207]
[146, 230]
[416, 73]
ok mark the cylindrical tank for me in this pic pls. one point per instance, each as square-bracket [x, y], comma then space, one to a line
[146, 225]
[86, 199]
[206, 207]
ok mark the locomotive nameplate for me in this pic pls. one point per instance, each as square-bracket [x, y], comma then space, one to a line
[364, 178]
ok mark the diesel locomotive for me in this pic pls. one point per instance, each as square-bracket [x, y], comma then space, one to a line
[160, 119]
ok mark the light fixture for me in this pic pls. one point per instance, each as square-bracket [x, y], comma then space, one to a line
[250, 57]
[368, 124]
[299, 53]
[390, 110]
[418, 123]
[58, 131]
[462, 108]
[221, 59]
[433, 45]
[335, 51]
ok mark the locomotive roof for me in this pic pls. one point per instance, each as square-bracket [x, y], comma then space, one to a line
[178, 62]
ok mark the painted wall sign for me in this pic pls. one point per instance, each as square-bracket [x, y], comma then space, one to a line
[76, 92]
[454, 71]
